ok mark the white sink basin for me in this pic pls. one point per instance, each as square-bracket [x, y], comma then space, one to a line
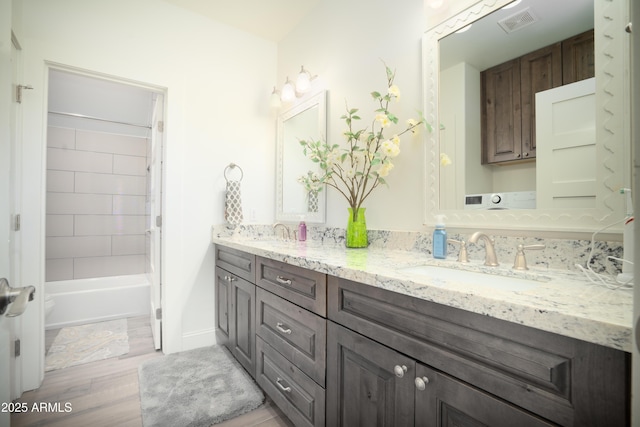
[441, 276]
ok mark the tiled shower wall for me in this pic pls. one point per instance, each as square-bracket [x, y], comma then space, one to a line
[96, 194]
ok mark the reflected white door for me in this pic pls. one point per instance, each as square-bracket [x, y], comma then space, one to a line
[155, 213]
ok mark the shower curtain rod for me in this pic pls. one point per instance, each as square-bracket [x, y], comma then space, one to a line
[83, 116]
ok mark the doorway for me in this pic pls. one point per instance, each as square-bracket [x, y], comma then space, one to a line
[104, 200]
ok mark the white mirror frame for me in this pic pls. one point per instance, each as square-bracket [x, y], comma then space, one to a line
[320, 100]
[612, 131]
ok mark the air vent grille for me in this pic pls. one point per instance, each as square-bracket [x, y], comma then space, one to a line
[518, 21]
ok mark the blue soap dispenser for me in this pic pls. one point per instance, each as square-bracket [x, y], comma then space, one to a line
[440, 239]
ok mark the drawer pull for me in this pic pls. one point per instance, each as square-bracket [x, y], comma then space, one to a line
[421, 383]
[283, 388]
[229, 279]
[283, 281]
[399, 370]
[280, 327]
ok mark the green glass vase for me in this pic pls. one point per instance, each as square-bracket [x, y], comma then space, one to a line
[356, 235]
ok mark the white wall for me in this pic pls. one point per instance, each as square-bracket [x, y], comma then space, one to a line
[217, 81]
[344, 43]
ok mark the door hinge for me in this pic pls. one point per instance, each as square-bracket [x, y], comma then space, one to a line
[16, 348]
[19, 89]
[160, 126]
[158, 313]
[17, 223]
[159, 221]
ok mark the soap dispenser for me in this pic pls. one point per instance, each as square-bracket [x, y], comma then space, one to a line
[440, 239]
[302, 230]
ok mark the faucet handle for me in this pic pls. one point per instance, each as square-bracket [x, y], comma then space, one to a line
[520, 262]
[463, 256]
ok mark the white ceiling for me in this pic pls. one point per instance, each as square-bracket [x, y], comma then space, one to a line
[269, 19]
[486, 44]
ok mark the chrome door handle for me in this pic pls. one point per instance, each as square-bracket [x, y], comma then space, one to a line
[283, 388]
[18, 296]
[280, 327]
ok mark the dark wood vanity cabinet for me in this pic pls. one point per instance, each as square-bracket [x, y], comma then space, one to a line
[291, 339]
[475, 370]
[508, 95]
[235, 295]
[383, 358]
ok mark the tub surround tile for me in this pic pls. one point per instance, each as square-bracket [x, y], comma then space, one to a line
[59, 225]
[82, 161]
[85, 268]
[100, 225]
[79, 204]
[111, 143]
[563, 301]
[97, 183]
[61, 138]
[60, 181]
[78, 246]
[58, 269]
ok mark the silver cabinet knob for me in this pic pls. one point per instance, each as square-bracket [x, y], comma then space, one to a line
[421, 383]
[399, 370]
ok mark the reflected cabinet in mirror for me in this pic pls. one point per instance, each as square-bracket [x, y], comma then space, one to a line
[296, 196]
[530, 98]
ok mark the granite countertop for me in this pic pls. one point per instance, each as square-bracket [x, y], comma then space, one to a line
[559, 301]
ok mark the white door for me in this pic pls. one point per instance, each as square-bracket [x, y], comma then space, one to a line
[566, 146]
[154, 172]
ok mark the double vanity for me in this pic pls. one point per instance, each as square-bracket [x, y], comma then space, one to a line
[380, 336]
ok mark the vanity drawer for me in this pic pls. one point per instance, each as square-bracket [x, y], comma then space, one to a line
[297, 395]
[525, 366]
[303, 287]
[237, 262]
[296, 333]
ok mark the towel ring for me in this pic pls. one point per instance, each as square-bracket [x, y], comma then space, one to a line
[233, 166]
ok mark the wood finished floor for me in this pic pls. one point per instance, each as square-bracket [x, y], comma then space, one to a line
[105, 393]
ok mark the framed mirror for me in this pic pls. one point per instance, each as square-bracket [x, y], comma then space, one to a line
[452, 68]
[294, 200]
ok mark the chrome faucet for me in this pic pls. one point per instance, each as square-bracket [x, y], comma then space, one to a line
[285, 230]
[490, 253]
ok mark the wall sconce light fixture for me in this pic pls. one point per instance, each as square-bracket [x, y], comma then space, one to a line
[289, 91]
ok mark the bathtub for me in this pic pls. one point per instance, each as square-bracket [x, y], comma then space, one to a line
[81, 301]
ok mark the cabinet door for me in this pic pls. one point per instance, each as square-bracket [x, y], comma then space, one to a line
[443, 401]
[368, 384]
[578, 58]
[539, 70]
[501, 113]
[223, 304]
[242, 323]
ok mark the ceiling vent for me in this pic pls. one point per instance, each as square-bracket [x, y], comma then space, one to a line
[518, 21]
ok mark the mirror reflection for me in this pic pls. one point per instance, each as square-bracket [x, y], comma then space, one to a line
[492, 71]
[296, 197]
[582, 188]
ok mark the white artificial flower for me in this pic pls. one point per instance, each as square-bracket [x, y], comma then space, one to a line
[396, 139]
[444, 159]
[385, 169]
[390, 148]
[395, 92]
[383, 120]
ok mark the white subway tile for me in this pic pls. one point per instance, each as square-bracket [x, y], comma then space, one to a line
[58, 269]
[128, 245]
[59, 225]
[111, 143]
[109, 184]
[61, 137]
[101, 225]
[73, 203]
[129, 165]
[129, 205]
[108, 266]
[78, 246]
[60, 181]
[82, 161]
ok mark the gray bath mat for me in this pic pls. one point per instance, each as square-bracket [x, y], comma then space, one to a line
[76, 345]
[198, 387]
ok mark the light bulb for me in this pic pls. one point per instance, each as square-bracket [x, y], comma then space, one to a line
[288, 91]
[434, 4]
[274, 101]
[303, 82]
